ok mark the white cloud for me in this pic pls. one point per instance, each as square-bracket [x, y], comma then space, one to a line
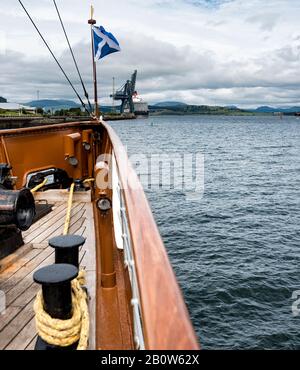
[202, 52]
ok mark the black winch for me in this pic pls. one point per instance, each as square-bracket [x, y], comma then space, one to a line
[17, 211]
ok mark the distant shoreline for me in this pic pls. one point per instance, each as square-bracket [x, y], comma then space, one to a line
[168, 113]
[209, 114]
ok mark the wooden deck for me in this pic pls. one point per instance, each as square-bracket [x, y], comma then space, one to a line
[17, 324]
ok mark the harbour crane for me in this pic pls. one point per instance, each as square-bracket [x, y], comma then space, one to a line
[126, 93]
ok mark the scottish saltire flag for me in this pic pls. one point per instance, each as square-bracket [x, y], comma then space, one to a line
[105, 43]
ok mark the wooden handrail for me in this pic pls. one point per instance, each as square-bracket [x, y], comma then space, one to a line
[166, 321]
[18, 131]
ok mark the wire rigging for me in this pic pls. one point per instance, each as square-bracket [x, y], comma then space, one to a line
[73, 56]
[56, 60]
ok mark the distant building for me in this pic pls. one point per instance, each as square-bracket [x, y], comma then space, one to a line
[3, 100]
[15, 107]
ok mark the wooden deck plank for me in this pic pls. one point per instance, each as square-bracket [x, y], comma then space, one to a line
[23, 285]
[81, 231]
[63, 196]
[15, 279]
[31, 345]
[8, 316]
[57, 211]
[81, 258]
[76, 217]
[89, 261]
[26, 296]
[25, 336]
[55, 228]
[77, 225]
[35, 233]
[16, 325]
[8, 261]
[6, 274]
[91, 284]
[43, 245]
[90, 241]
[57, 220]
[49, 219]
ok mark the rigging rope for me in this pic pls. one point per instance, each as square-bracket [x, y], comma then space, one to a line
[56, 60]
[73, 56]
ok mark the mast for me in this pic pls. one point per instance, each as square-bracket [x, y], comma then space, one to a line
[92, 22]
[113, 96]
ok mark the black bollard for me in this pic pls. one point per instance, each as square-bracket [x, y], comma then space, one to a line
[67, 248]
[57, 296]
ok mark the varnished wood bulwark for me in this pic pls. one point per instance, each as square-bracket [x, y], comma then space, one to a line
[166, 322]
[165, 318]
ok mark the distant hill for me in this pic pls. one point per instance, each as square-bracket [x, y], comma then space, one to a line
[263, 109]
[170, 104]
[48, 104]
[231, 107]
[2, 100]
[185, 109]
[266, 109]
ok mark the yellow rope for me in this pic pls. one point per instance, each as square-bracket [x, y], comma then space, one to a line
[38, 187]
[88, 180]
[64, 333]
[68, 217]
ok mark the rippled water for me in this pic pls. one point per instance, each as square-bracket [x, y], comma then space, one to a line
[236, 252]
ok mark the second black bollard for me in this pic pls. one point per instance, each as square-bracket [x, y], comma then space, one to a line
[67, 248]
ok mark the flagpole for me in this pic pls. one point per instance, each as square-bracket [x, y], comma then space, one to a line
[92, 22]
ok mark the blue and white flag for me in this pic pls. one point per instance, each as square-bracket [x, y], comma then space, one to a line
[105, 43]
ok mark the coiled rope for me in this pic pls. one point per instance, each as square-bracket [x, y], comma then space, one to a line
[64, 333]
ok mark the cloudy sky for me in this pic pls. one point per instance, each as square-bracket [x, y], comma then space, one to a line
[217, 52]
